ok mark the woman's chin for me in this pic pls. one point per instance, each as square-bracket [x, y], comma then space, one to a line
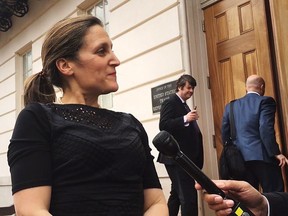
[111, 89]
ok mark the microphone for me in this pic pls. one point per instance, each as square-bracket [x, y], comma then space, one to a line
[166, 144]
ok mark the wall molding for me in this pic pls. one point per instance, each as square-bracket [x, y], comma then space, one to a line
[206, 3]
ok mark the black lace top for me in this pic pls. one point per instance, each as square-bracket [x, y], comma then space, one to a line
[97, 161]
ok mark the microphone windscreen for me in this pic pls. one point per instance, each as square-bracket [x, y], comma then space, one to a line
[166, 144]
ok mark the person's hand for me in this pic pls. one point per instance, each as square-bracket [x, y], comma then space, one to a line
[192, 116]
[282, 160]
[238, 190]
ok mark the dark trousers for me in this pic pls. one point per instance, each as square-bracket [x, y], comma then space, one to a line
[183, 193]
[266, 175]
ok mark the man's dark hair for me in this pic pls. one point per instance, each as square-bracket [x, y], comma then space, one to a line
[182, 81]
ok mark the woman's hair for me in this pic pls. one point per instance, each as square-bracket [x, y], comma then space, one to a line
[181, 82]
[63, 40]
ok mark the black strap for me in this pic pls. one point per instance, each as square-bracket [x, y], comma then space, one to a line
[231, 119]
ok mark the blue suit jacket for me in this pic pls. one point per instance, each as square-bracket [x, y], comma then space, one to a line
[254, 118]
[189, 137]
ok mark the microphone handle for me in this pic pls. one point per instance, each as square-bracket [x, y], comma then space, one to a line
[239, 209]
[191, 169]
[198, 175]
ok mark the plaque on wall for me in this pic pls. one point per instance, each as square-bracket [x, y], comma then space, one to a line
[161, 93]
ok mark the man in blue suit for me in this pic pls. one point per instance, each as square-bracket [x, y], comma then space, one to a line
[177, 119]
[254, 117]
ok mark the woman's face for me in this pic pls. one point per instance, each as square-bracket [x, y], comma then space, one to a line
[95, 71]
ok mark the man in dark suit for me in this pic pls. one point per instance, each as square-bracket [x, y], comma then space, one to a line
[254, 118]
[266, 204]
[177, 119]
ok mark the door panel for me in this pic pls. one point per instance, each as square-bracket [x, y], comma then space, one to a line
[237, 46]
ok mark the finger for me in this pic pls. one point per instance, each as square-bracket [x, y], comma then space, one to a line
[198, 186]
[213, 199]
[225, 205]
[224, 212]
[282, 162]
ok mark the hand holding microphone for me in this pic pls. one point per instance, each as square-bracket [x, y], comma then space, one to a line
[167, 145]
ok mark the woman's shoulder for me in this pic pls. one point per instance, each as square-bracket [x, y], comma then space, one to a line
[33, 106]
[127, 119]
[38, 108]
[35, 109]
[32, 115]
[125, 116]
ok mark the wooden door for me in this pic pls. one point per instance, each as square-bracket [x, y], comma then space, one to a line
[238, 46]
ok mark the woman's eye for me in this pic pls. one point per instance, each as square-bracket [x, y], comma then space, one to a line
[101, 51]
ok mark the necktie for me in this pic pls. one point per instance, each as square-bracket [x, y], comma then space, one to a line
[186, 107]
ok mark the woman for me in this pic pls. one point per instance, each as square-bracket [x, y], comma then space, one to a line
[72, 157]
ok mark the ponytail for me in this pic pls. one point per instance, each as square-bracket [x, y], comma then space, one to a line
[38, 88]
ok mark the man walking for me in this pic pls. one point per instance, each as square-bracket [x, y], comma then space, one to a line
[254, 117]
[177, 119]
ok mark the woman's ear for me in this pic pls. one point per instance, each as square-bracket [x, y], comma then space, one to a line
[64, 66]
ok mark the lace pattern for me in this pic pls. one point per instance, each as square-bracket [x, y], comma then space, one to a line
[85, 115]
